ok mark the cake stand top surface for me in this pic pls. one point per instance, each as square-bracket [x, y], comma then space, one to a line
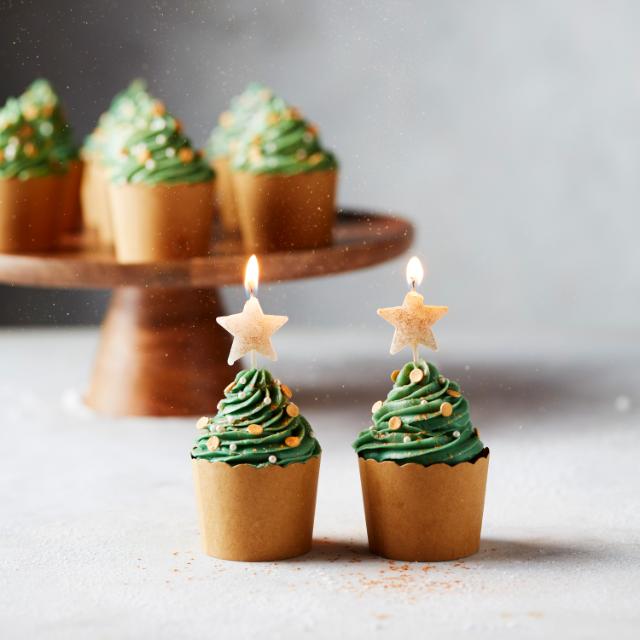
[361, 239]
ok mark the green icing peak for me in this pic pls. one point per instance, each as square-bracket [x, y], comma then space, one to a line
[278, 140]
[233, 122]
[256, 424]
[35, 138]
[415, 425]
[154, 150]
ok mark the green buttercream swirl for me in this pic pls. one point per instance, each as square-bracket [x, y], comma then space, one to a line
[256, 398]
[24, 152]
[41, 107]
[155, 151]
[279, 140]
[128, 109]
[425, 436]
[233, 122]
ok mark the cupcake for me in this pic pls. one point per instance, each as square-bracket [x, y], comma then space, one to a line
[30, 188]
[224, 141]
[423, 469]
[284, 182]
[41, 106]
[255, 467]
[160, 192]
[126, 111]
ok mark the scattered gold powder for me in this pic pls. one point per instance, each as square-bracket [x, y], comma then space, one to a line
[202, 423]
[292, 410]
[254, 429]
[446, 409]
[395, 423]
[213, 443]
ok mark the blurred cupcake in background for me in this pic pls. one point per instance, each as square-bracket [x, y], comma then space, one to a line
[127, 110]
[161, 191]
[223, 143]
[30, 188]
[284, 182]
[41, 107]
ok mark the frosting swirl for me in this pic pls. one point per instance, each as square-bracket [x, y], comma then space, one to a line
[24, 152]
[154, 150]
[424, 421]
[232, 123]
[41, 107]
[256, 424]
[279, 140]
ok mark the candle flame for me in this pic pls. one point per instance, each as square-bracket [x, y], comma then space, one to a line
[415, 272]
[251, 276]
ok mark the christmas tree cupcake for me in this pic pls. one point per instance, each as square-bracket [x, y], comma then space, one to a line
[284, 182]
[129, 109]
[42, 109]
[423, 467]
[223, 143]
[256, 462]
[161, 192]
[30, 184]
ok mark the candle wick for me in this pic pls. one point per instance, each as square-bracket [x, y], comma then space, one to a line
[413, 284]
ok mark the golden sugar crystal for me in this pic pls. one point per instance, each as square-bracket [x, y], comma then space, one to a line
[446, 409]
[202, 423]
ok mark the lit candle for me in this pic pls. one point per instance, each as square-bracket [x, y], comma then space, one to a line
[413, 319]
[252, 329]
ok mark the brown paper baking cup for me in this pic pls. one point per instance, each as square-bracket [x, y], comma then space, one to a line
[70, 217]
[29, 214]
[255, 514]
[225, 198]
[424, 513]
[161, 222]
[94, 197]
[281, 212]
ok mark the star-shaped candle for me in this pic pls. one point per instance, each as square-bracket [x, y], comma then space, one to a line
[413, 319]
[252, 329]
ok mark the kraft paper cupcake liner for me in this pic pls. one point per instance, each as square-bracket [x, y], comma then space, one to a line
[94, 198]
[424, 513]
[225, 197]
[29, 211]
[154, 223]
[70, 217]
[256, 514]
[285, 212]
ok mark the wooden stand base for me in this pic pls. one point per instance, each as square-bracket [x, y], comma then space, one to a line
[161, 353]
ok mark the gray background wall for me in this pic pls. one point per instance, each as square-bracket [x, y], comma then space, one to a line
[508, 131]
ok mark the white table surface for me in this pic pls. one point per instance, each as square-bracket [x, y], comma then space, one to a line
[98, 531]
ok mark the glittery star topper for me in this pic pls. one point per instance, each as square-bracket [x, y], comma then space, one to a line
[413, 319]
[252, 329]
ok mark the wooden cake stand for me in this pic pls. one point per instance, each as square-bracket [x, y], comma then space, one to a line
[161, 351]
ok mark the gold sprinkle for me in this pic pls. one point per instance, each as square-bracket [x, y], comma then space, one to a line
[316, 158]
[226, 119]
[143, 156]
[202, 423]
[446, 409]
[185, 154]
[416, 375]
[178, 125]
[25, 132]
[230, 386]
[453, 393]
[254, 429]
[292, 410]
[287, 392]
[395, 423]
[1, 155]
[394, 375]
[213, 443]
[376, 406]
[47, 110]
[30, 112]
[292, 441]
[158, 108]
[273, 118]
[29, 149]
